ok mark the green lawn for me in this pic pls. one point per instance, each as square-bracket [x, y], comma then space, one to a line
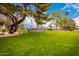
[50, 43]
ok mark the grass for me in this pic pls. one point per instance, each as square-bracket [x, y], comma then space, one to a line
[49, 43]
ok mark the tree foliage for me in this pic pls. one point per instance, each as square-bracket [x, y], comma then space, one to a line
[68, 24]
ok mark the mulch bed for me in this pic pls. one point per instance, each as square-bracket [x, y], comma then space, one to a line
[6, 34]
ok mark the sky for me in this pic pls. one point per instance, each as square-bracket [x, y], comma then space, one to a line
[72, 8]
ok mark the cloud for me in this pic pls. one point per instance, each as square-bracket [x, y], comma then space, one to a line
[65, 7]
[70, 5]
[76, 20]
[77, 10]
[75, 6]
[69, 10]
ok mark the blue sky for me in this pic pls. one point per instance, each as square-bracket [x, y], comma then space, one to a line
[72, 8]
[55, 7]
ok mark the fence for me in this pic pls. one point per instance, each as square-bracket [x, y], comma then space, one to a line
[36, 30]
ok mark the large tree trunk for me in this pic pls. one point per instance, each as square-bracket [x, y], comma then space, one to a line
[14, 26]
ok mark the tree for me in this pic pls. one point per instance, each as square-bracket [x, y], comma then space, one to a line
[9, 9]
[56, 16]
[40, 17]
[68, 24]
